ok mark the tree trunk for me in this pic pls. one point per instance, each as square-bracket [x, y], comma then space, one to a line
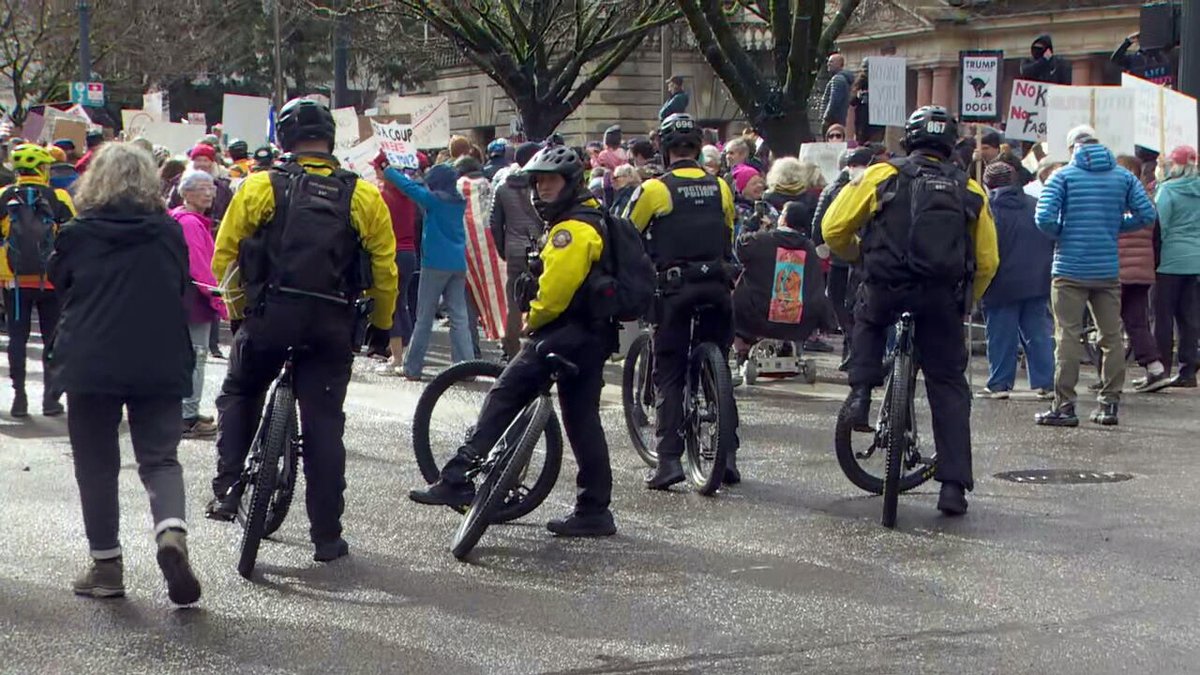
[540, 119]
[785, 134]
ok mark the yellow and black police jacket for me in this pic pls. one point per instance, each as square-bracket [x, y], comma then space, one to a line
[254, 206]
[676, 208]
[572, 247]
[858, 203]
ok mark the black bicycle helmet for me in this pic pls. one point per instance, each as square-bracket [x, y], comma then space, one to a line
[303, 119]
[680, 130]
[565, 162]
[931, 128]
[239, 149]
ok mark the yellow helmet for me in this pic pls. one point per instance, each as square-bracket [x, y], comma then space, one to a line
[31, 157]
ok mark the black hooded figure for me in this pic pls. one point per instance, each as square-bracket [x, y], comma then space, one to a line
[1045, 66]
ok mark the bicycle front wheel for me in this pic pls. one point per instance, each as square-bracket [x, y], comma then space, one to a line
[711, 432]
[445, 416]
[896, 435]
[256, 500]
[638, 399]
[514, 451]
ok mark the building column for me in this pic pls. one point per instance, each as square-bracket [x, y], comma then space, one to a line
[1081, 71]
[924, 87]
[943, 87]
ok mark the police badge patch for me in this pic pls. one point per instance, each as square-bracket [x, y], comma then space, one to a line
[561, 239]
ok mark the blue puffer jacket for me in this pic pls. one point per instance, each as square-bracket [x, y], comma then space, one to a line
[1085, 206]
[1025, 252]
[443, 238]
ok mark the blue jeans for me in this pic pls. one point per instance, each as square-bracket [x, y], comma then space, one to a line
[1029, 322]
[433, 287]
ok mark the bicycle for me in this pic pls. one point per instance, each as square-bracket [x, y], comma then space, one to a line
[505, 463]
[455, 397]
[708, 408]
[895, 433]
[269, 478]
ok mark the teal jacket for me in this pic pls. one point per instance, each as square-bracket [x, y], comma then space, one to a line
[1179, 220]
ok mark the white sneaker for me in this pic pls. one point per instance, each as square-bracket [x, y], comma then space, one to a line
[988, 393]
[389, 370]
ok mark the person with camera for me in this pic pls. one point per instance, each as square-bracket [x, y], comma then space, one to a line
[562, 319]
[309, 239]
[925, 236]
[687, 217]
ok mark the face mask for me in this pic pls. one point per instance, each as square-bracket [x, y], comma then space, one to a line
[856, 172]
[1038, 51]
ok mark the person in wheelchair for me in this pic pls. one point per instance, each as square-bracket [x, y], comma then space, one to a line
[781, 292]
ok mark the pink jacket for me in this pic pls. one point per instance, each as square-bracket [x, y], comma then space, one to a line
[611, 158]
[198, 234]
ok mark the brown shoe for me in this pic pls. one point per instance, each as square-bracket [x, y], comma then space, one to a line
[198, 428]
[102, 579]
[182, 586]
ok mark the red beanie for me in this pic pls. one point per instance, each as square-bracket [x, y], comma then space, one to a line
[202, 150]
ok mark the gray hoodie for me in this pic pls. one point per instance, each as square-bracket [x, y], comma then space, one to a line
[515, 223]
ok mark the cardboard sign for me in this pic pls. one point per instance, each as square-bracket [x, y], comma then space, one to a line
[64, 127]
[176, 137]
[1148, 111]
[34, 123]
[430, 117]
[396, 141]
[1027, 111]
[1179, 120]
[247, 118]
[824, 155]
[1108, 110]
[135, 121]
[979, 88]
[889, 100]
[347, 133]
[358, 158]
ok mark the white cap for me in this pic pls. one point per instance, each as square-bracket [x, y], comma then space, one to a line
[1081, 134]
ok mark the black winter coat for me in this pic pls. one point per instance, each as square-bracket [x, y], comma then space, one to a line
[123, 328]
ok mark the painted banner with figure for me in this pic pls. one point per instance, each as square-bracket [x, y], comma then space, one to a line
[787, 299]
[486, 276]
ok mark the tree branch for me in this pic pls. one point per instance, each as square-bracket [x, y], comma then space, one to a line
[836, 25]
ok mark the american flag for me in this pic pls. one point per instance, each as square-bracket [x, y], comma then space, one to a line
[486, 277]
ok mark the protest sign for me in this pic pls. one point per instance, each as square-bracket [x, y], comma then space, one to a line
[71, 129]
[395, 140]
[152, 105]
[1108, 110]
[1148, 111]
[1027, 111]
[358, 158]
[889, 100]
[824, 155]
[979, 88]
[34, 123]
[1179, 120]
[198, 118]
[365, 130]
[430, 119]
[347, 134]
[134, 121]
[176, 137]
[247, 118]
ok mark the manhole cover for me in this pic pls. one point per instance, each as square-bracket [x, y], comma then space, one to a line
[1063, 476]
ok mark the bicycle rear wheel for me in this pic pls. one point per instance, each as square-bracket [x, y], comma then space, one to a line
[289, 471]
[711, 433]
[896, 434]
[445, 415]
[257, 498]
[638, 399]
[515, 449]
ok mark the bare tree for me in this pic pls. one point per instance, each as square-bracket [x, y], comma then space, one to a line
[38, 49]
[775, 98]
[547, 55]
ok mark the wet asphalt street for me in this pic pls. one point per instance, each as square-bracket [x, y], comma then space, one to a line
[788, 572]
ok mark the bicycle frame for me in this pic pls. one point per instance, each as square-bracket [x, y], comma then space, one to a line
[905, 344]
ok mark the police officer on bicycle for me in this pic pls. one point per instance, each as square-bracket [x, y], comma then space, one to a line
[309, 238]
[926, 238]
[561, 320]
[687, 218]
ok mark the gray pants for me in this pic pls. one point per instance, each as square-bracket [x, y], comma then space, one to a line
[1070, 297]
[199, 334]
[92, 424]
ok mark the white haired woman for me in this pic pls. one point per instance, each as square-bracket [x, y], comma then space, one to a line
[198, 190]
[121, 268]
[625, 181]
[710, 159]
[790, 180]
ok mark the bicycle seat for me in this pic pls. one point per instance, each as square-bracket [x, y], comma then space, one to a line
[561, 364]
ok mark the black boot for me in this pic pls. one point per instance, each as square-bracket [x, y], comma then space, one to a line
[20, 404]
[953, 499]
[732, 475]
[52, 406]
[580, 525]
[1105, 414]
[857, 408]
[1062, 416]
[668, 473]
[452, 487]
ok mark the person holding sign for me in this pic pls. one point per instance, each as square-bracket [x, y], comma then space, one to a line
[1084, 208]
[921, 226]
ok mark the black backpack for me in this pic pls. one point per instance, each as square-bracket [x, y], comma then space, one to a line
[624, 286]
[921, 230]
[310, 248]
[34, 215]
